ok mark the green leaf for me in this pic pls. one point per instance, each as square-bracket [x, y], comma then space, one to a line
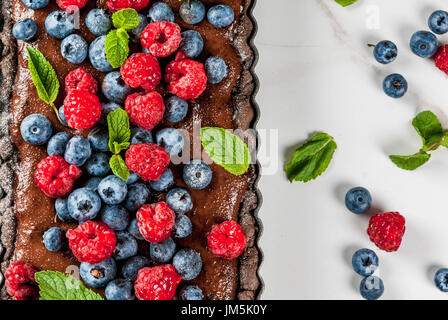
[126, 19]
[54, 285]
[117, 47]
[226, 149]
[429, 128]
[444, 141]
[119, 130]
[346, 3]
[411, 162]
[311, 159]
[119, 167]
[43, 75]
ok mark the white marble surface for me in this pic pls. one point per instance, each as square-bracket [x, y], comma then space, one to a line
[317, 74]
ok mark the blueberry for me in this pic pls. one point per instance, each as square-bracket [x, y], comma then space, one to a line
[132, 265]
[119, 289]
[371, 288]
[161, 12]
[116, 217]
[62, 115]
[165, 181]
[162, 252]
[385, 52]
[112, 190]
[358, 200]
[24, 30]
[441, 279]
[53, 239]
[60, 24]
[197, 174]
[36, 129]
[92, 183]
[107, 108]
[395, 85]
[182, 227]
[98, 164]
[134, 230]
[220, 16]
[126, 246]
[191, 293]
[97, 55]
[99, 274]
[78, 150]
[114, 88]
[36, 4]
[424, 44]
[133, 177]
[56, 144]
[138, 193]
[438, 22]
[365, 262]
[60, 205]
[83, 204]
[216, 69]
[176, 109]
[141, 136]
[179, 200]
[192, 12]
[191, 43]
[171, 140]
[98, 22]
[188, 263]
[99, 139]
[137, 31]
[74, 49]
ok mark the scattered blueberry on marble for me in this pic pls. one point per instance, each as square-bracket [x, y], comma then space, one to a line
[74, 48]
[424, 44]
[112, 190]
[165, 181]
[192, 12]
[36, 4]
[182, 227]
[358, 200]
[97, 55]
[99, 274]
[179, 200]
[191, 292]
[98, 164]
[36, 129]
[385, 52]
[137, 196]
[114, 88]
[162, 252]
[98, 22]
[395, 85]
[220, 16]
[57, 143]
[60, 205]
[176, 109]
[24, 30]
[53, 239]
[126, 246]
[77, 151]
[137, 31]
[141, 136]
[365, 262]
[99, 140]
[171, 140]
[119, 289]
[60, 24]
[371, 288]
[192, 43]
[216, 69]
[438, 22]
[197, 174]
[134, 230]
[92, 183]
[132, 265]
[161, 11]
[116, 217]
[188, 263]
[83, 204]
[441, 279]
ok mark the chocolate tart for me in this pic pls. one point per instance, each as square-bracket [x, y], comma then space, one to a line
[26, 212]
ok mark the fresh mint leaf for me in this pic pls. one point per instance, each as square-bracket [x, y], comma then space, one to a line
[119, 167]
[126, 18]
[226, 149]
[444, 141]
[311, 159]
[429, 128]
[117, 47]
[54, 285]
[411, 162]
[346, 3]
[43, 75]
[119, 130]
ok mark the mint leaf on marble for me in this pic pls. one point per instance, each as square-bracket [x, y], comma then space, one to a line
[429, 128]
[346, 3]
[311, 159]
[411, 162]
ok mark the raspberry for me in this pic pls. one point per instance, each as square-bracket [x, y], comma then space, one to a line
[116, 5]
[71, 4]
[186, 78]
[226, 240]
[82, 109]
[157, 283]
[156, 221]
[145, 110]
[148, 160]
[161, 38]
[441, 58]
[82, 80]
[55, 176]
[92, 241]
[386, 230]
[20, 281]
[141, 70]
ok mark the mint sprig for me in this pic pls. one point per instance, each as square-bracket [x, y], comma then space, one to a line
[44, 78]
[346, 3]
[431, 132]
[55, 285]
[119, 136]
[117, 40]
[311, 159]
[226, 149]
